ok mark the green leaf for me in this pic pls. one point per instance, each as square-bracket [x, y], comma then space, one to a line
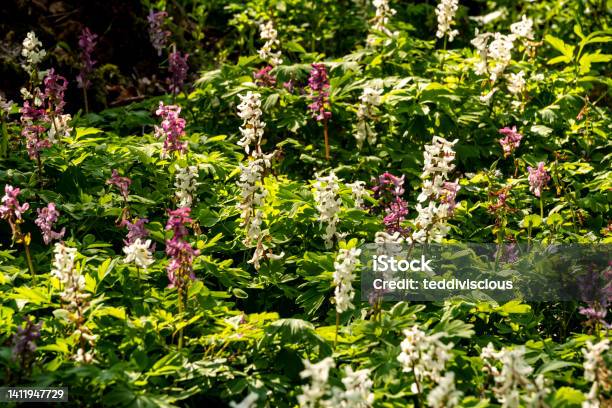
[562, 47]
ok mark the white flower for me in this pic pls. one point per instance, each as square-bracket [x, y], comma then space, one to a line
[5, 105]
[494, 55]
[595, 370]
[185, 182]
[445, 395]
[358, 192]
[328, 204]
[32, 52]
[268, 33]
[344, 266]
[139, 253]
[513, 376]
[381, 19]
[319, 374]
[516, 83]
[425, 356]
[252, 129]
[523, 28]
[60, 128]
[446, 11]
[486, 99]
[357, 393]
[366, 111]
[247, 402]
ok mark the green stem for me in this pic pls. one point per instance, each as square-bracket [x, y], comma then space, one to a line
[337, 328]
[29, 259]
[180, 307]
[85, 100]
[541, 207]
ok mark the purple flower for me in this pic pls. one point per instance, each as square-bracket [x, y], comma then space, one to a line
[511, 141]
[122, 183]
[389, 187]
[172, 128]
[396, 214]
[87, 43]
[263, 77]
[32, 120]
[319, 92]
[136, 230]
[289, 85]
[47, 216]
[449, 194]
[55, 87]
[177, 65]
[10, 209]
[157, 33]
[538, 178]
[24, 341]
[389, 192]
[180, 251]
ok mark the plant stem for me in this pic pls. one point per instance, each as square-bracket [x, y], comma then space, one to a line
[85, 100]
[326, 135]
[29, 259]
[180, 307]
[541, 207]
[337, 328]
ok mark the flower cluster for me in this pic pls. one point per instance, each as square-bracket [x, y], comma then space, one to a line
[252, 129]
[424, 356]
[513, 378]
[538, 178]
[389, 191]
[32, 52]
[55, 88]
[313, 393]
[33, 121]
[596, 371]
[344, 266]
[136, 230]
[157, 32]
[47, 216]
[178, 68]
[24, 342]
[516, 83]
[87, 43]
[74, 298]
[185, 182]
[5, 107]
[445, 11]
[596, 290]
[180, 251]
[438, 163]
[357, 391]
[444, 395]
[139, 253]
[328, 204]
[319, 92]
[172, 128]
[367, 111]
[511, 140]
[11, 210]
[122, 183]
[523, 28]
[267, 52]
[358, 192]
[264, 78]
[381, 19]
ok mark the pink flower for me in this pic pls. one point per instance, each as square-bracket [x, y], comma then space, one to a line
[319, 92]
[55, 87]
[263, 77]
[538, 178]
[87, 43]
[10, 209]
[511, 141]
[180, 251]
[172, 128]
[47, 216]
[32, 120]
[122, 183]
[449, 194]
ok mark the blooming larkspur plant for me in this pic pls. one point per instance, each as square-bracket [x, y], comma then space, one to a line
[24, 342]
[180, 251]
[157, 32]
[32, 52]
[172, 128]
[178, 68]
[139, 253]
[87, 44]
[319, 92]
[538, 178]
[344, 266]
[185, 182]
[47, 216]
[122, 183]
[445, 11]
[269, 51]
[11, 210]
[381, 19]
[329, 204]
[511, 140]
[367, 111]
[252, 129]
